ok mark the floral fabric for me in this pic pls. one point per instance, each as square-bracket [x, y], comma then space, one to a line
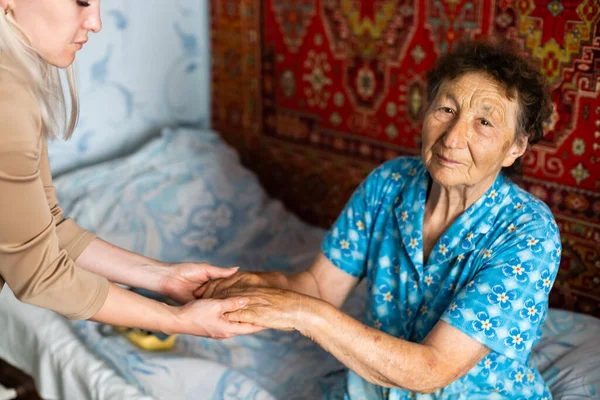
[489, 276]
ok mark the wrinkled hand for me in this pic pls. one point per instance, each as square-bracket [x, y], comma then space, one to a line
[273, 308]
[180, 281]
[220, 288]
[208, 318]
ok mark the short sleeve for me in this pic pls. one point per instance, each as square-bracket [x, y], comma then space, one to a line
[346, 244]
[505, 304]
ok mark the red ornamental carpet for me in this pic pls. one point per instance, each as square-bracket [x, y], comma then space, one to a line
[316, 93]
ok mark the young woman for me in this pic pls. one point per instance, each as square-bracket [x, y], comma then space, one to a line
[46, 259]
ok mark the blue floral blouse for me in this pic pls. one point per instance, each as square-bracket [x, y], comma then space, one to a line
[489, 276]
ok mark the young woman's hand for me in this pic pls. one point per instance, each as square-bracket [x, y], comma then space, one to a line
[180, 281]
[199, 317]
[208, 318]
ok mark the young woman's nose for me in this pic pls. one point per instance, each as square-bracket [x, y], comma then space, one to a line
[93, 22]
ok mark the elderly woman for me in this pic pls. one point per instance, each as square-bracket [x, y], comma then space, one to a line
[459, 260]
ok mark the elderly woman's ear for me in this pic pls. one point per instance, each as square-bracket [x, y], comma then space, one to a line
[517, 149]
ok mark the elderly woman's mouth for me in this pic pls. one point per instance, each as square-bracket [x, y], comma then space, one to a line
[447, 161]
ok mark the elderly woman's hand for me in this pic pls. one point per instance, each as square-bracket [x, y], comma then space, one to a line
[274, 308]
[220, 288]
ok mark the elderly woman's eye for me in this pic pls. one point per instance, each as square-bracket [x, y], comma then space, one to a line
[447, 110]
[485, 122]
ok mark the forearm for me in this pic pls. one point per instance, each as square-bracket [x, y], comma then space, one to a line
[374, 355]
[323, 281]
[121, 266]
[302, 282]
[127, 309]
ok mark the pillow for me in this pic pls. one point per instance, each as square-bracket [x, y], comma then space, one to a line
[149, 67]
[568, 355]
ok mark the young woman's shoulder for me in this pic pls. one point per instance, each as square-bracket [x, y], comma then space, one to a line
[19, 110]
[15, 90]
[20, 126]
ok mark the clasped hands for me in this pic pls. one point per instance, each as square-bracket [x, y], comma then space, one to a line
[269, 306]
[224, 302]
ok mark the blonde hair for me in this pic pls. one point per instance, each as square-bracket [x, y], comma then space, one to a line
[44, 79]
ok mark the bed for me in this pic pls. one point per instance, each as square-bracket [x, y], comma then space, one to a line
[145, 172]
[185, 195]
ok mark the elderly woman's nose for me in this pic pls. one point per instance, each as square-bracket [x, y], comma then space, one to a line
[457, 134]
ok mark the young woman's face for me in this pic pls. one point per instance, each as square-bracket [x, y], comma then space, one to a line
[57, 29]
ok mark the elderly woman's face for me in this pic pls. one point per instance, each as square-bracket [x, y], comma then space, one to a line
[469, 132]
[57, 28]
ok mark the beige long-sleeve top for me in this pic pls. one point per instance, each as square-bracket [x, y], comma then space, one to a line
[38, 245]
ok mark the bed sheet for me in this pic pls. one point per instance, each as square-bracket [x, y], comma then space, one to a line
[185, 196]
[45, 346]
[568, 355]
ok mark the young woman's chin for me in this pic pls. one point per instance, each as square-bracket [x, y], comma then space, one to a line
[64, 61]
